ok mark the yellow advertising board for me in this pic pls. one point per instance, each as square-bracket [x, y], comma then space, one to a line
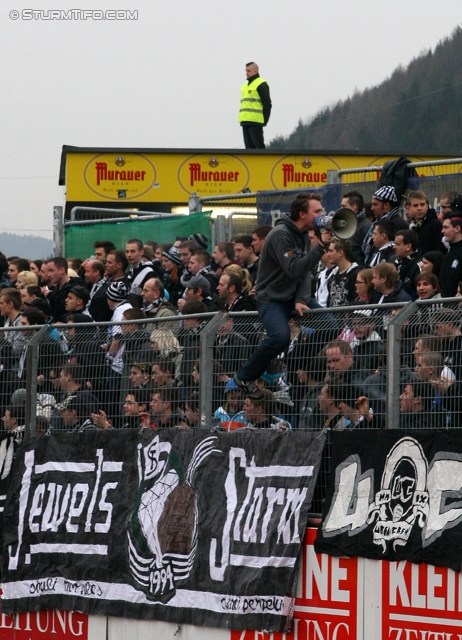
[111, 175]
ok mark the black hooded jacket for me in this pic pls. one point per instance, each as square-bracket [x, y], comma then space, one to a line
[429, 231]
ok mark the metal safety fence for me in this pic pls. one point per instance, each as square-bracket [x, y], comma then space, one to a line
[362, 367]
[236, 213]
[435, 178]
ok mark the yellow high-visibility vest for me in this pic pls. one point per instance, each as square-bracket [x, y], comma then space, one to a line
[251, 105]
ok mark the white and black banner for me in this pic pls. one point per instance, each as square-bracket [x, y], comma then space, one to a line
[177, 525]
[7, 450]
[395, 496]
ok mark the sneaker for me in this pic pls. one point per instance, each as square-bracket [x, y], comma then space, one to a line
[251, 389]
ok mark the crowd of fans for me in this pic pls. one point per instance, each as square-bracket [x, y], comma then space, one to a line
[145, 373]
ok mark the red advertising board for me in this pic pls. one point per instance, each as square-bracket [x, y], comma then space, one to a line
[41, 625]
[337, 599]
[420, 602]
[329, 601]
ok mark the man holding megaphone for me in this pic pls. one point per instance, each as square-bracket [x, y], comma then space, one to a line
[284, 281]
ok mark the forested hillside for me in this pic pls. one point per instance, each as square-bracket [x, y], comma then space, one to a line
[33, 247]
[417, 109]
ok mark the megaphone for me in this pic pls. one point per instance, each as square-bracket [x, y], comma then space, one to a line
[342, 223]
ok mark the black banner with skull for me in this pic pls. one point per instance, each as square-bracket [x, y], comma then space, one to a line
[395, 496]
[177, 525]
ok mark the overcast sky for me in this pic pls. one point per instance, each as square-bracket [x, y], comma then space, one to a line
[171, 78]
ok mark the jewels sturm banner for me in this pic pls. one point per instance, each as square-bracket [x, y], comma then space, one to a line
[177, 525]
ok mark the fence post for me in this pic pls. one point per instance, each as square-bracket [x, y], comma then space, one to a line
[220, 229]
[333, 177]
[207, 338]
[31, 380]
[194, 203]
[58, 232]
[394, 363]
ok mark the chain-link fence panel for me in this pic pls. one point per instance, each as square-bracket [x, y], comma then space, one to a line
[333, 375]
[133, 374]
[239, 209]
[429, 350]
[18, 370]
[435, 186]
[359, 367]
[240, 223]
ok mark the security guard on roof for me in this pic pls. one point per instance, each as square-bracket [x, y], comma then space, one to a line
[255, 107]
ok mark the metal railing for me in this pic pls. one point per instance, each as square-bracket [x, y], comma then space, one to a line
[435, 177]
[235, 213]
[102, 214]
[432, 167]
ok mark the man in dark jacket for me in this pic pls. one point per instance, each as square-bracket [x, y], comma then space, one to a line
[97, 305]
[451, 267]
[415, 407]
[230, 291]
[408, 259]
[384, 207]
[197, 288]
[426, 224]
[387, 285]
[383, 239]
[284, 283]
[446, 326]
[61, 284]
[367, 346]
[353, 200]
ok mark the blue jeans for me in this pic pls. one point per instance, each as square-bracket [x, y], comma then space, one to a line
[274, 317]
